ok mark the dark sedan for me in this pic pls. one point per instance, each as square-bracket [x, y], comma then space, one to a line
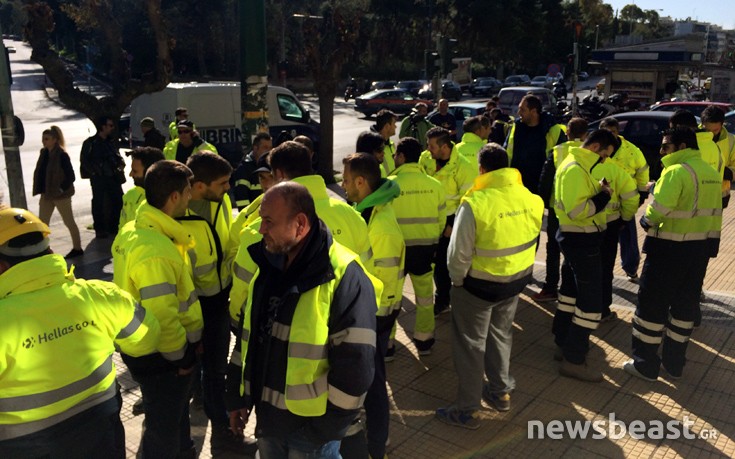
[644, 130]
[487, 86]
[398, 100]
[450, 91]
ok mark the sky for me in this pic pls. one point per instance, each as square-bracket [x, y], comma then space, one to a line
[720, 12]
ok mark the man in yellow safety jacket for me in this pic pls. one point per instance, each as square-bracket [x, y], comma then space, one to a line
[631, 159]
[476, 130]
[579, 203]
[187, 143]
[713, 119]
[683, 225]
[57, 337]
[181, 114]
[372, 197]
[143, 158]
[491, 256]
[421, 212]
[385, 125]
[306, 354]
[150, 262]
[455, 172]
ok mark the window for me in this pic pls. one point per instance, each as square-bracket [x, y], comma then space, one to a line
[289, 108]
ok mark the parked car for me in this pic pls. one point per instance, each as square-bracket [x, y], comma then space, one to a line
[730, 122]
[462, 111]
[542, 81]
[644, 130]
[485, 86]
[691, 106]
[516, 80]
[388, 84]
[511, 97]
[398, 100]
[583, 76]
[412, 86]
[450, 91]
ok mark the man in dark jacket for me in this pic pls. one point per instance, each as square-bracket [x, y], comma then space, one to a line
[244, 181]
[307, 362]
[152, 137]
[102, 164]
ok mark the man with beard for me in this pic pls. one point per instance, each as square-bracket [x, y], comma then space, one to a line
[143, 158]
[208, 219]
[307, 333]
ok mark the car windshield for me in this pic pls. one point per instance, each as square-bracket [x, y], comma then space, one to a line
[512, 79]
[485, 82]
[539, 78]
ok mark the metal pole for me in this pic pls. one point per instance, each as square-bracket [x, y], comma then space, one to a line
[10, 140]
[597, 34]
[574, 79]
[253, 65]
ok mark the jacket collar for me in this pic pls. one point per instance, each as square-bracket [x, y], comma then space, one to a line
[35, 274]
[680, 156]
[586, 158]
[315, 184]
[386, 192]
[149, 217]
[497, 179]
[471, 137]
[408, 167]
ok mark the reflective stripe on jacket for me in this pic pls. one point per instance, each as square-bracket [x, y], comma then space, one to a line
[421, 208]
[57, 339]
[456, 176]
[574, 188]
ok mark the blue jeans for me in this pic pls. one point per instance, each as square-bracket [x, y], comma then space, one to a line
[630, 255]
[166, 402]
[296, 446]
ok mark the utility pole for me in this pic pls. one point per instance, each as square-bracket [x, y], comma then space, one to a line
[10, 138]
[577, 32]
[253, 65]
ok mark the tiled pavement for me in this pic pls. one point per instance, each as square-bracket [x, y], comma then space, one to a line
[419, 385]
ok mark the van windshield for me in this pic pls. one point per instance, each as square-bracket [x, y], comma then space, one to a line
[289, 108]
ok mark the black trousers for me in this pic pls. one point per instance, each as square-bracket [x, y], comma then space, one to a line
[670, 286]
[441, 275]
[609, 252]
[553, 253]
[106, 204]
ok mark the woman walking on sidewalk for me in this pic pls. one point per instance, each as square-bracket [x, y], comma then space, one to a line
[54, 179]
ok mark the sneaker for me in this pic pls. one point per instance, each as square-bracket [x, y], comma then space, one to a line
[74, 253]
[441, 309]
[390, 355]
[223, 439]
[499, 402]
[610, 318]
[545, 296]
[630, 368]
[670, 375]
[632, 277]
[138, 408]
[455, 417]
[580, 371]
[424, 347]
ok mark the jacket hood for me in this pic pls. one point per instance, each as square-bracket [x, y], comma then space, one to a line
[35, 274]
[151, 218]
[586, 158]
[407, 167]
[497, 179]
[680, 156]
[386, 192]
[315, 184]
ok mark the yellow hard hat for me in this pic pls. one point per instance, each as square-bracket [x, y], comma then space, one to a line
[16, 222]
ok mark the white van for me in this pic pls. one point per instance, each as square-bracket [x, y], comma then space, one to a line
[215, 110]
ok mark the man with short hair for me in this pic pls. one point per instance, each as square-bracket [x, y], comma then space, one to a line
[307, 334]
[245, 186]
[631, 159]
[444, 163]
[373, 197]
[385, 125]
[491, 256]
[421, 212]
[186, 143]
[576, 131]
[443, 119]
[152, 137]
[683, 225]
[143, 158]
[416, 125]
[61, 397]
[476, 130]
[150, 262]
[531, 138]
[579, 203]
[208, 219]
[181, 114]
[713, 119]
[101, 163]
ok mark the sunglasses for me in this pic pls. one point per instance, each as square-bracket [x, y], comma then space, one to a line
[184, 131]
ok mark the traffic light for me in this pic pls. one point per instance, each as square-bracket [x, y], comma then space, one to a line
[430, 63]
[447, 52]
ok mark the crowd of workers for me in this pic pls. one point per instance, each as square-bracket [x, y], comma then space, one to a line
[311, 284]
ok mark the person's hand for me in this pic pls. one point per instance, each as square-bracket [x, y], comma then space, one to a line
[447, 231]
[238, 420]
[185, 371]
[605, 186]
